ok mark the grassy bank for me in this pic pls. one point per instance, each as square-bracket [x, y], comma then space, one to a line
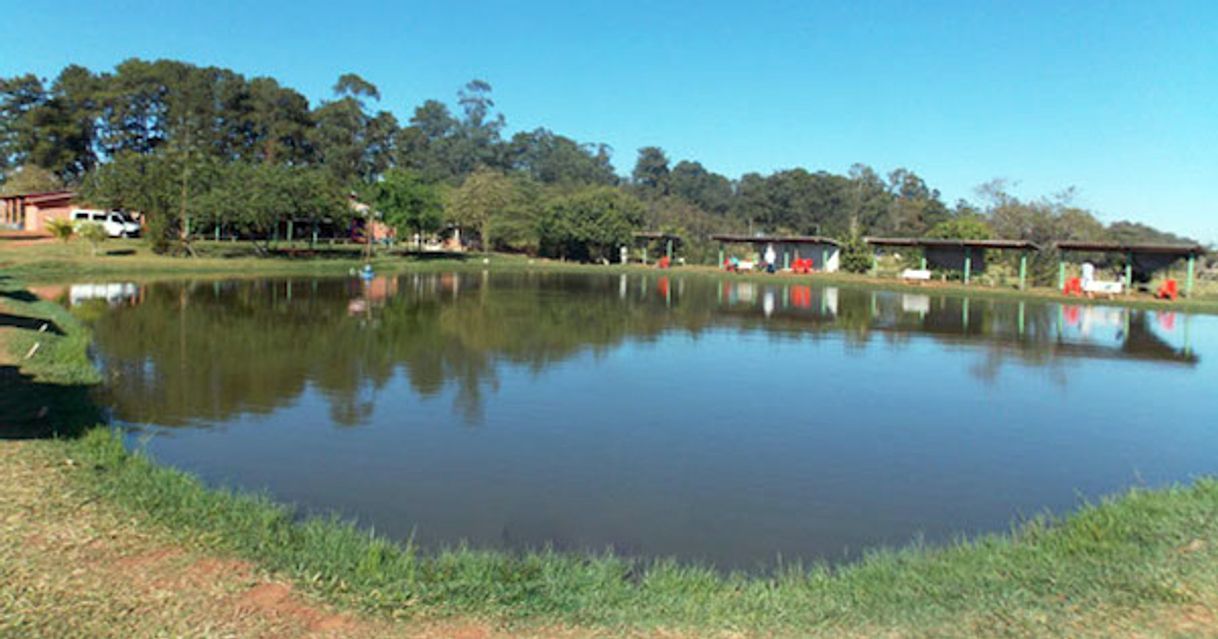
[1145, 562]
[56, 261]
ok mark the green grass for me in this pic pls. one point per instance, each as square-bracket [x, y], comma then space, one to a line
[1120, 561]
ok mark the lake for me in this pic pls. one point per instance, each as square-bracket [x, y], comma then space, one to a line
[724, 421]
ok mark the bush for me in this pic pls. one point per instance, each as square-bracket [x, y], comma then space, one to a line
[94, 232]
[61, 229]
[856, 255]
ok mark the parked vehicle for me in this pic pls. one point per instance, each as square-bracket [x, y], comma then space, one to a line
[116, 223]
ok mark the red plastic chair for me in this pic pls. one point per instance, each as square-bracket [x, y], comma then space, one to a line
[1168, 290]
[1074, 286]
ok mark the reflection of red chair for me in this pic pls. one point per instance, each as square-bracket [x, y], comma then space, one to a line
[1072, 315]
[1168, 290]
[801, 296]
[1074, 286]
[802, 265]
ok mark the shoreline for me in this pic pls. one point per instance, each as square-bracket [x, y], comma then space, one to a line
[63, 266]
[1137, 559]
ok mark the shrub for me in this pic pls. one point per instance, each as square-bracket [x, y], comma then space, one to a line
[62, 229]
[94, 232]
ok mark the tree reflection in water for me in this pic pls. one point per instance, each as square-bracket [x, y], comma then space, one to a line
[202, 352]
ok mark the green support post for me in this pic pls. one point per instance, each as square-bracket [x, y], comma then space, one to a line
[1023, 273]
[786, 259]
[217, 232]
[1128, 271]
[721, 257]
[314, 243]
[1192, 268]
[644, 254]
[824, 261]
[875, 263]
[968, 265]
[924, 260]
[1061, 274]
[668, 250]
[291, 236]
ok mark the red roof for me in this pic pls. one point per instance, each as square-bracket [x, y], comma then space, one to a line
[43, 198]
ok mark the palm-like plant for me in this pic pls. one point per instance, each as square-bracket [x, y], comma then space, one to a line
[62, 229]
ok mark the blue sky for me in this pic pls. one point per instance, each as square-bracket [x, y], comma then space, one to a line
[1119, 99]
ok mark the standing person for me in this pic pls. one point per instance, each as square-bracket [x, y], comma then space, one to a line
[770, 257]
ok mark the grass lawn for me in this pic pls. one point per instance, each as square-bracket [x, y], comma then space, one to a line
[1142, 563]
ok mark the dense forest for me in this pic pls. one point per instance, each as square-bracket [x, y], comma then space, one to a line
[197, 149]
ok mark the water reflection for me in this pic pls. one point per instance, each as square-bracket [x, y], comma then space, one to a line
[180, 353]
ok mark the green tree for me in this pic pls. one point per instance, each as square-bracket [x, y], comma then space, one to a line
[967, 227]
[409, 204]
[353, 144]
[650, 174]
[152, 185]
[550, 158]
[589, 224]
[30, 179]
[711, 192]
[482, 195]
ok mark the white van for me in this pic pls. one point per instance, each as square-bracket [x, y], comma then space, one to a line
[116, 223]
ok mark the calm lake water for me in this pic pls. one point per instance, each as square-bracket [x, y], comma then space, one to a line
[716, 421]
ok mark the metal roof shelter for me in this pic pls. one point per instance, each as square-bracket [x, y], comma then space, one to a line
[966, 247]
[827, 263]
[1176, 251]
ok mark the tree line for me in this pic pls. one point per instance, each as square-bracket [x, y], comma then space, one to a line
[200, 148]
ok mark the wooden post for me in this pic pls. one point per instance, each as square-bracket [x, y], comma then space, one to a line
[968, 268]
[1023, 279]
[1192, 268]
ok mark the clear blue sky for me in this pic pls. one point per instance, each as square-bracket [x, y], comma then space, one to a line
[1119, 99]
